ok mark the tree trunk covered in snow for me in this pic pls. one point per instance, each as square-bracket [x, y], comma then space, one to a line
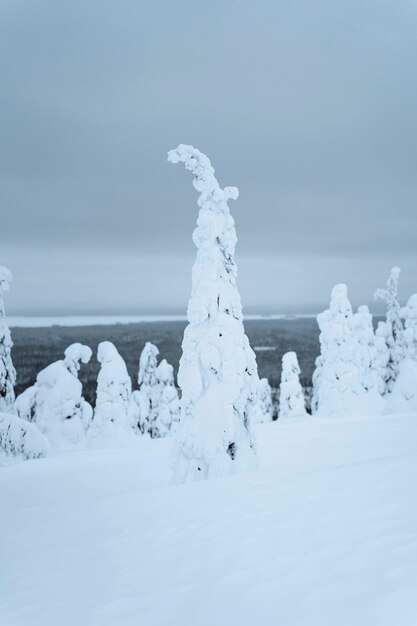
[218, 373]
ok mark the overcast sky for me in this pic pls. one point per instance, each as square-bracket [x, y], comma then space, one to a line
[309, 107]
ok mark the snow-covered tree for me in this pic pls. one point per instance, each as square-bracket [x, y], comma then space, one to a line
[55, 402]
[7, 371]
[112, 418]
[291, 397]
[18, 438]
[395, 329]
[404, 392]
[148, 394]
[382, 357]
[166, 409]
[338, 386]
[365, 355]
[218, 372]
[265, 401]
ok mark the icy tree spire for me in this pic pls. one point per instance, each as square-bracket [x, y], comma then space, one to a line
[218, 373]
[291, 397]
[147, 386]
[7, 371]
[395, 334]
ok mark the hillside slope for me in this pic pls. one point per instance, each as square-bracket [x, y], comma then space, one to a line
[325, 534]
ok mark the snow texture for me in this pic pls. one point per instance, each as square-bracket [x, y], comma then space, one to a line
[55, 402]
[339, 389]
[7, 371]
[218, 372]
[19, 439]
[112, 422]
[291, 397]
[395, 330]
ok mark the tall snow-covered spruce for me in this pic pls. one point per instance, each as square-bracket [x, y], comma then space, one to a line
[7, 371]
[218, 374]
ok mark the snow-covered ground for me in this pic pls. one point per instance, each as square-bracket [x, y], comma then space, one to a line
[325, 534]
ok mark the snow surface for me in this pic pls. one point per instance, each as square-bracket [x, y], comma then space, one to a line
[325, 534]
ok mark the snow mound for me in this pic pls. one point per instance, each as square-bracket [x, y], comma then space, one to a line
[18, 438]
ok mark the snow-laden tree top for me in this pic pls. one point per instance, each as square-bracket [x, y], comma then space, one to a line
[165, 373]
[212, 196]
[214, 273]
[389, 294]
[147, 364]
[74, 354]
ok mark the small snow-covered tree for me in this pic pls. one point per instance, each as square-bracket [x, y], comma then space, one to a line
[7, 371]
[166, 408]
[112, 419]
[147, 387]
[291, 397]
[55, 402]
[404, 392]
[395, 329]
[20, 439]
[338, 386]
[265, 401]
[365, 355]
[366, 358]
[218, 372]
[382, 357]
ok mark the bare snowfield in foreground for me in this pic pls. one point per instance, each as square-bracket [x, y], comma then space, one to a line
[325, 534]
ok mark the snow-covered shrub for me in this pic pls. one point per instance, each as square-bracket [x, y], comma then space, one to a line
[291, 397]
[55, 402]
[218, 372]
[147, 388]
[112, 415]
[338, 385]
[7, 371]
[404, 392]
[395, 331]
[265, 408]
[18, 438]
[167, 406]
